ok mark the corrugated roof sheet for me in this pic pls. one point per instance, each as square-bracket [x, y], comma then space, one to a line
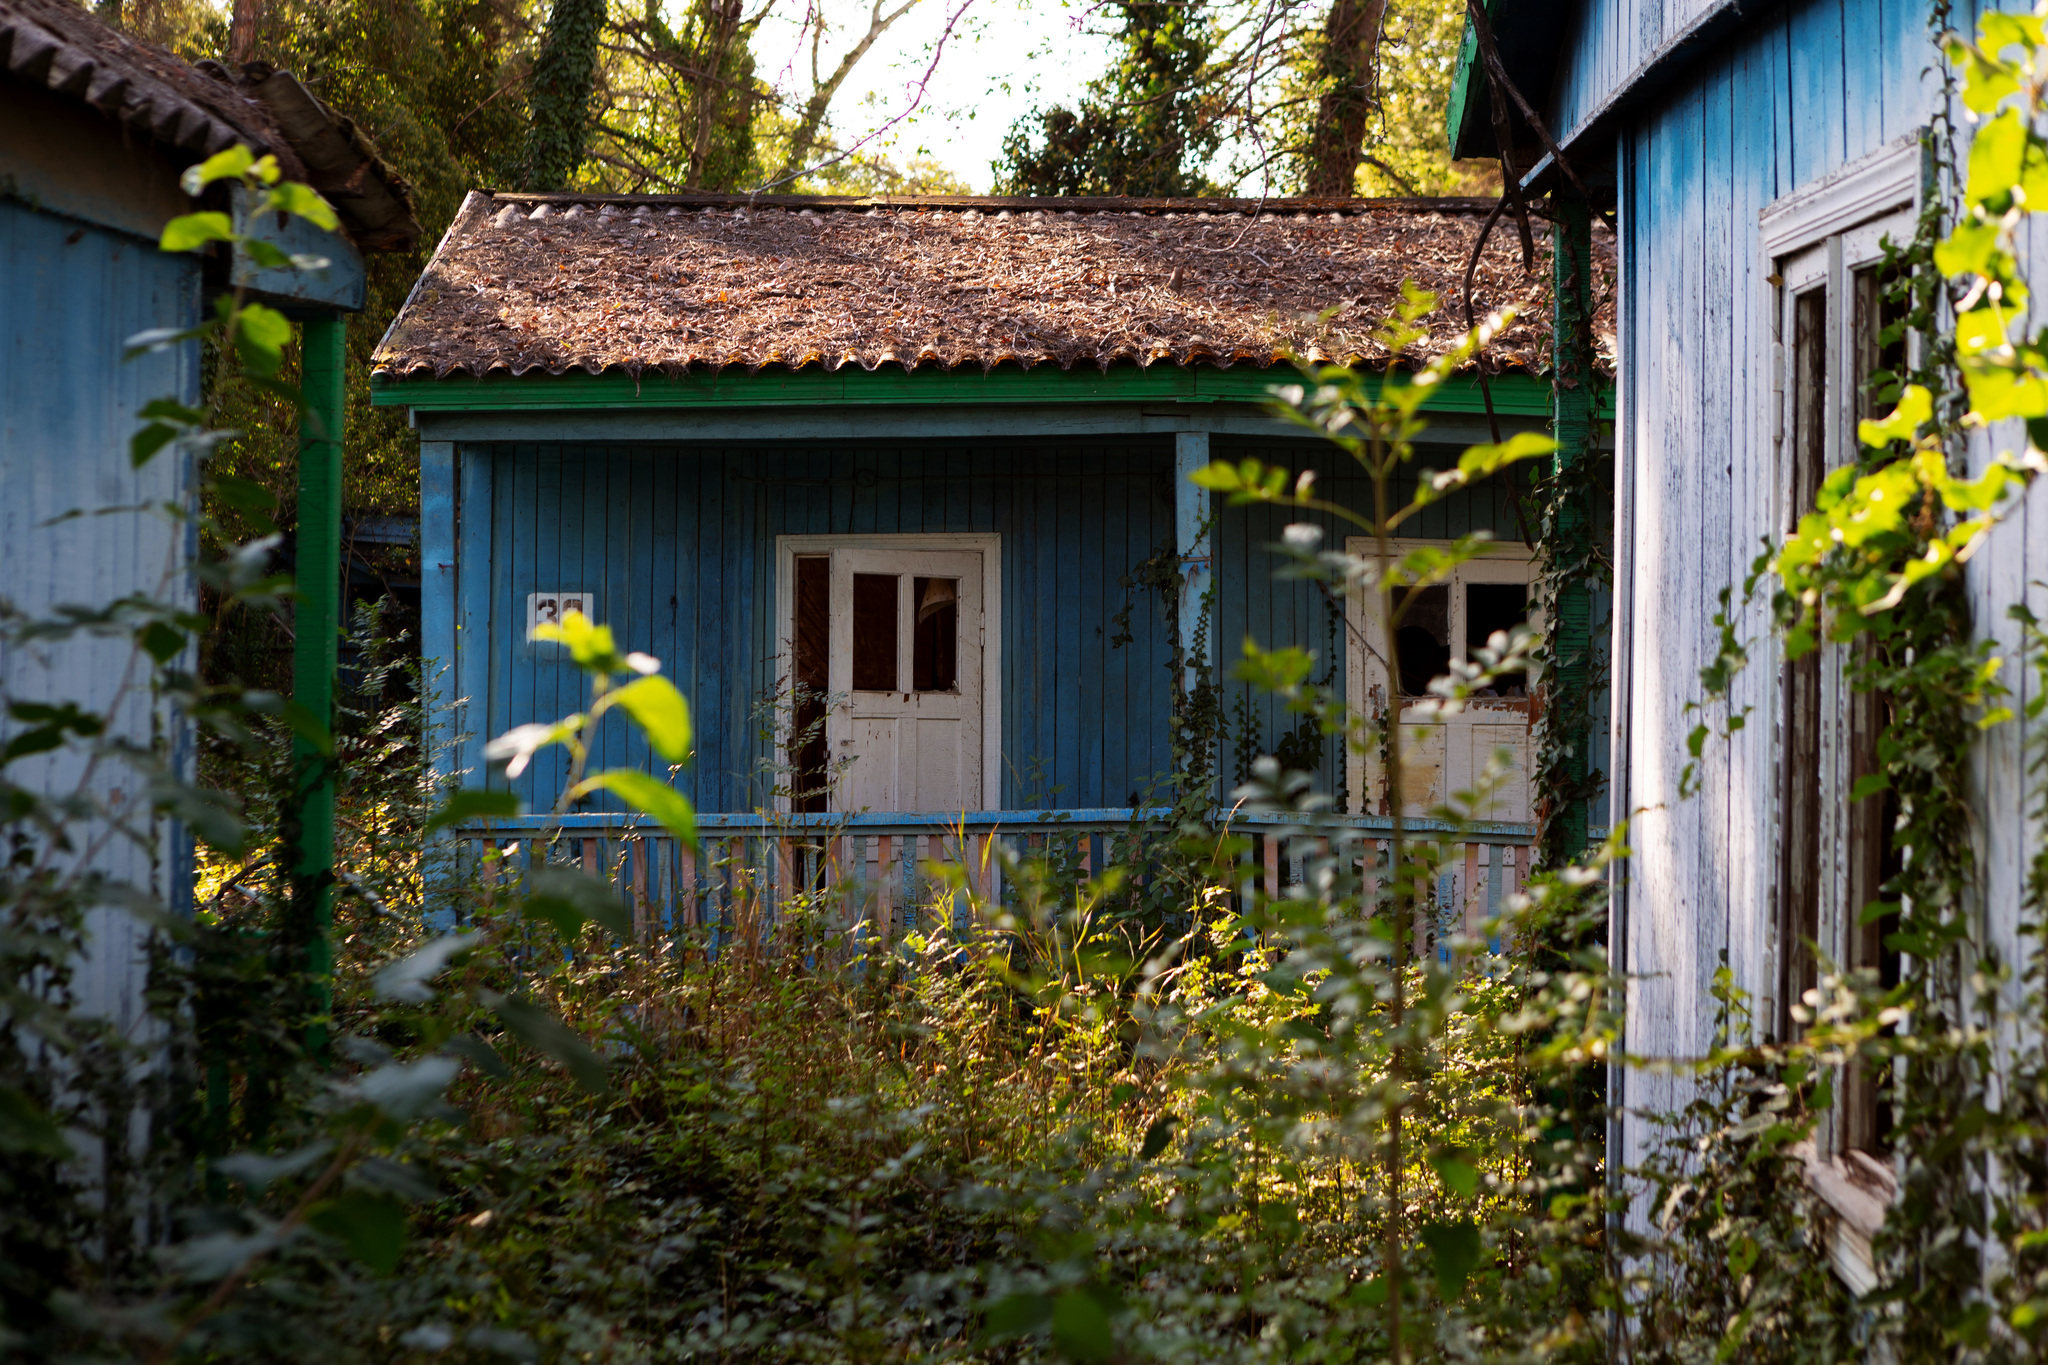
[526, 284]
[61, 48]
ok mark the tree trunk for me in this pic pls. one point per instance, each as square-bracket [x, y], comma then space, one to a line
[1350, 63]
[558, 99]
[242, 28]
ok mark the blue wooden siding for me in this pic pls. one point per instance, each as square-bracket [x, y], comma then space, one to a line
[678, 547]
[71, 294]
[1793, 95]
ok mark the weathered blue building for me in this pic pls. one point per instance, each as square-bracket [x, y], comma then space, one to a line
[927, 459]
[1754, 157]
[95, 129]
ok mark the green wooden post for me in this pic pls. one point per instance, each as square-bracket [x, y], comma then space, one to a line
[1563, 837]
[315, 647]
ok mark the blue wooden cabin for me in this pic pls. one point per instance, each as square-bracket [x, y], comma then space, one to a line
[1755, 158]
[710, 422]
[95, 129]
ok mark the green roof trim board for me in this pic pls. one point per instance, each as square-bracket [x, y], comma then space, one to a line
[1514, 394]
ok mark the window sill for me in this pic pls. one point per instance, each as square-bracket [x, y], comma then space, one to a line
[1859, 1190]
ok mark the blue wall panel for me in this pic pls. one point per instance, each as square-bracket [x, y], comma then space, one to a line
[678, 548]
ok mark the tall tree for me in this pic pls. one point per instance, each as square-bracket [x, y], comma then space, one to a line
[558, 96]
[1141, 129]
[1348, 62]
[682, 100]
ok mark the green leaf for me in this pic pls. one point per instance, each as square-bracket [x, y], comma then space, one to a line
[1459, 1176]
[565, 898]
[144, 444]
[371, 1225]
[590, 645]
[230, 163]
[479, 1054]
[1158, 1137]
[645, 792]
[1370, 1294]
[544, 1033]
[162, 641]
[465, 806]
[1017, 1315]
[1995, 155]
[1870, 784]
[265, 255]
[191, 231]
[261, 334]
[661, 711]
[260, 1172]
[1080, 1326]
[158, 339]
[1455, 1247]
[301, 201]
[24, 1127]
[214, 816]
[407, 978]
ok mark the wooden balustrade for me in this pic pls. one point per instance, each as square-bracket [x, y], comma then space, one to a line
[889, 872]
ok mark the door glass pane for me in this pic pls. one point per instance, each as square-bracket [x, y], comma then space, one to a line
[1490, 607]
[874, 632]
[809, 681]
[935, 643]
[1424, 638]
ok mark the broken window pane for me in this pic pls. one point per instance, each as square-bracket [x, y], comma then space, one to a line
[935, 643]
[874, 632]
[1490, 607]
[1424, 638]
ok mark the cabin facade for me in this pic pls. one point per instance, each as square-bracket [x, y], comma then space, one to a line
[1754, 158]
[95, 130]
[923, 463]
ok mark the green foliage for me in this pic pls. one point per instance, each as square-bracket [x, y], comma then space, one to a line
[1147, 127]
[558, 97]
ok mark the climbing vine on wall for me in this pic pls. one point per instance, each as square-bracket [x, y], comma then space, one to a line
[1875, 571]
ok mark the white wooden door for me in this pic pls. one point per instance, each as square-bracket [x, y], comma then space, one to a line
[906, 653]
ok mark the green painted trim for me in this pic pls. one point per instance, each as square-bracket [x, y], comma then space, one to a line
[1514, 395]
[1462, 87]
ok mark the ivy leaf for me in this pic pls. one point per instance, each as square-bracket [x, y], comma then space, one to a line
[370, 1224]
[260, 1172]
[645, 792]
[1995, 155]
[265, 255]
[406, 1090]
[661, 711]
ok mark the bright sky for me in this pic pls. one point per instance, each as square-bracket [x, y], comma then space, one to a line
[1004, 57]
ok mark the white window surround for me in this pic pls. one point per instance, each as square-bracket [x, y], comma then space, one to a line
[1364, 670]
[990, 547]
[1815, 241]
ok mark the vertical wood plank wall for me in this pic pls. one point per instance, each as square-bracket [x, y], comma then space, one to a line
[1799, 91]
[70, 297]
[678, 548]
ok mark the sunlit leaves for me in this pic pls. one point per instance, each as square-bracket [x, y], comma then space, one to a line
[190, 231]
[648, 794]
[661, 712]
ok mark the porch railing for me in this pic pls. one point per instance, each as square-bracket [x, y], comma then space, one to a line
[874, 865]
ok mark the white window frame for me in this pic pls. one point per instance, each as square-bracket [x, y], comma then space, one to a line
[1496, 562]
[1821, 236]
[989, 545]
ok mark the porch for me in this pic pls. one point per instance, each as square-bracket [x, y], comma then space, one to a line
[889, 869]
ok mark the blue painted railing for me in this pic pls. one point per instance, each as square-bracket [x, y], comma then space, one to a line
[874, 866]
